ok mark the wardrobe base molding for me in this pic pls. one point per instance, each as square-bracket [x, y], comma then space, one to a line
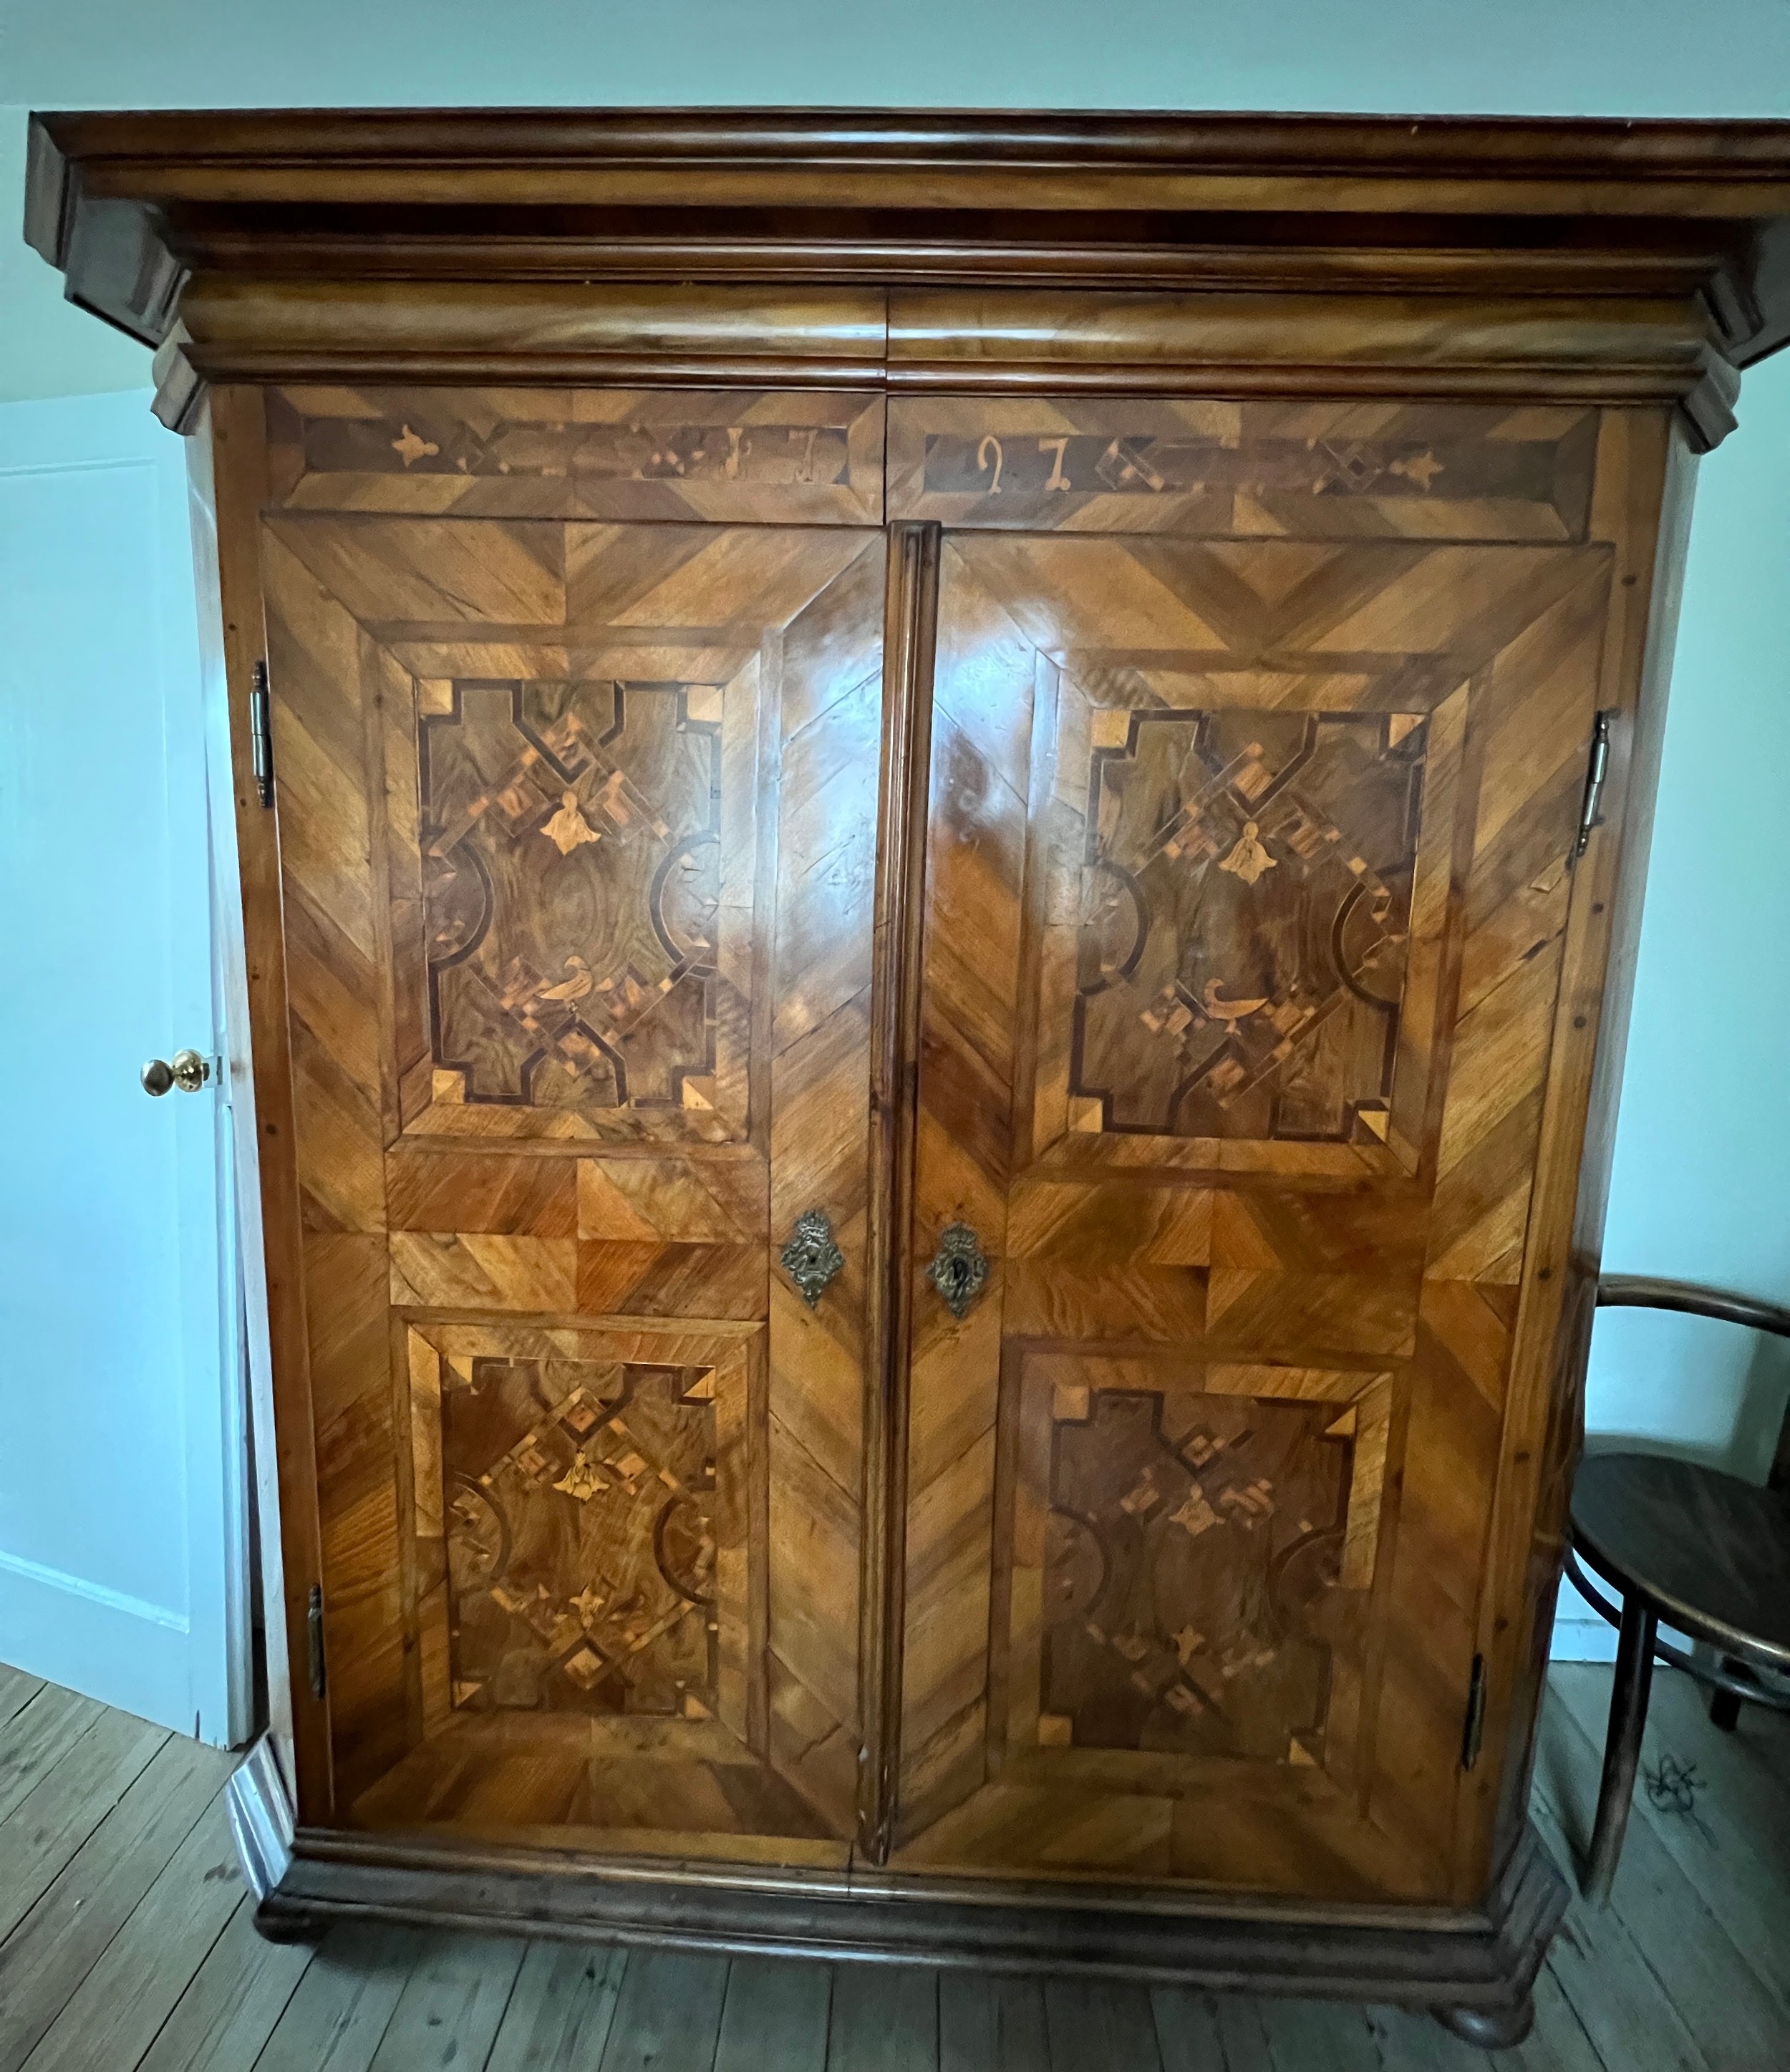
[1482, 1960]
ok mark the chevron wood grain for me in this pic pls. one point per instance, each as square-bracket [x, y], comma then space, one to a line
[321, 731]
[925, 1209]
[569, 834]
[935, 1002]
[820, 1359]
[973, 891]
[1641, 509]
[1240, 1032]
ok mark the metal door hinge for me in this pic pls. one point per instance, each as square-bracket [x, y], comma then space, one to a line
[261, 733]
[1590, 813]
[1473, 1732]
[314, 1623]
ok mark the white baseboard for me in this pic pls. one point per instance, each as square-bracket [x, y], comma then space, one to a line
[1582, 1634]
[121, 1650]
[1588, 1638]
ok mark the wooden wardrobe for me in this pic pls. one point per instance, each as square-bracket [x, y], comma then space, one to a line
[941, 822]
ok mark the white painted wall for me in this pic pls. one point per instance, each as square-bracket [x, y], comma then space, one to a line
[1701, 1185]
[122, 1550]
[1703, 1150]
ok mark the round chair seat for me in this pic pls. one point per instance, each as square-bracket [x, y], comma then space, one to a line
[1710, 1553]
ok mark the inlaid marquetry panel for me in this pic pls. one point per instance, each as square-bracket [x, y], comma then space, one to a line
[796, 458]
[1249, 863]
[1240, 918]
[573, 1503]
[1182, 1571]
[573, 904]
[1187, 1558]
[1245, 920]
[588, 1631]
[570, 837]
[1187, 1553]
[1312, 471]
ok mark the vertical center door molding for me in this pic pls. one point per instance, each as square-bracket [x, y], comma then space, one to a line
[910, 629]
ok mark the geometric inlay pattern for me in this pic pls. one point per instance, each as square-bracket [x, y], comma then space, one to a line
[570, 837]
[736, 455]
[525, 448]
[1245, 909]
[578, 1502]
[1186, 1578]
[1229, 470]
[1136, 464]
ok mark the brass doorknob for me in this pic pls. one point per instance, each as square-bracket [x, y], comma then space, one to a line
[188, 1072]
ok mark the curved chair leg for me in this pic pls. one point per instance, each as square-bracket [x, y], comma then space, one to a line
[1622, 1747]
[1499, 2028]
[1725, 1705]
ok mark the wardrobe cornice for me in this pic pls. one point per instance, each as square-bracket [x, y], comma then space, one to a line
[1577, 261]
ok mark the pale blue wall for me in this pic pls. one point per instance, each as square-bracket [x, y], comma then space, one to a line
[1701, 1187]
[121, 1456]
[1614, 57]
[1703, 1152]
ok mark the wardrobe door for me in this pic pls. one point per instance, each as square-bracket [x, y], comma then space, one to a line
[575, 722]
[1255, 783]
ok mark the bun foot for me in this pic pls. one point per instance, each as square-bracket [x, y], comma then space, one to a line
[288, 1924]
[1492, 2028]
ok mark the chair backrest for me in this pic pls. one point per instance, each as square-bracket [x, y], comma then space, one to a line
[1644, 1291]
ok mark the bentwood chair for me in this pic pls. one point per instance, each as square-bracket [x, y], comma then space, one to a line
[1708, 1553]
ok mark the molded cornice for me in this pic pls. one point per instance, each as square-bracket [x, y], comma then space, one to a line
[1228, 253]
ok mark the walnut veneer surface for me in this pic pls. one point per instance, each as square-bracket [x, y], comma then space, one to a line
[1022, 690]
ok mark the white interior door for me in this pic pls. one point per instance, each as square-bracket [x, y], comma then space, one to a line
[123, 1540]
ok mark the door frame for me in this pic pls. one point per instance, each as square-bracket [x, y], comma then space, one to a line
[210, 1693]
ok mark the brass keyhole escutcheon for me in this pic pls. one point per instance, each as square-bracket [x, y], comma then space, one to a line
[186, 1070]
[958, 1268]
[811, 1259]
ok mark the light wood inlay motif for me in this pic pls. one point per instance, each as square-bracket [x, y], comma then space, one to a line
[1244, 470]
[571, 838]
[1245, 913]
[789, 458]
[1187, 1552]
[557, 1472]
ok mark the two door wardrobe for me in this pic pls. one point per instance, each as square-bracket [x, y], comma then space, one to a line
[940, 823]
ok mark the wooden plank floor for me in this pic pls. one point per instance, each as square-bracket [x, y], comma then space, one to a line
[125, 1942]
